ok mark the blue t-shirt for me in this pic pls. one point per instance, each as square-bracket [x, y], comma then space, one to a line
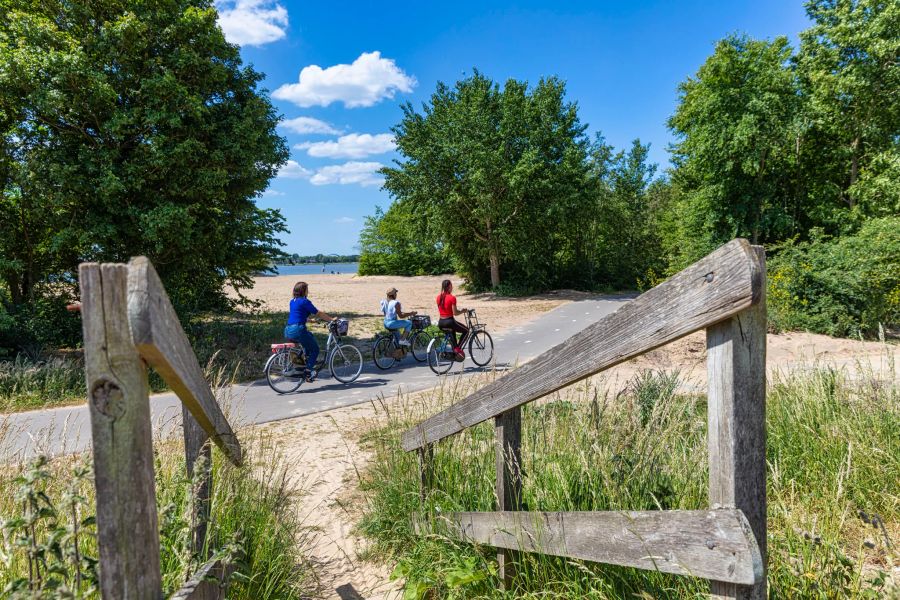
[301, 308]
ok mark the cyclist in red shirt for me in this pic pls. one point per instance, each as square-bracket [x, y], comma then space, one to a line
[447, 309]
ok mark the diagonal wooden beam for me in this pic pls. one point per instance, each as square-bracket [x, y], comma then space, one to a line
[711, 290]
[714, 544]
[160, 340]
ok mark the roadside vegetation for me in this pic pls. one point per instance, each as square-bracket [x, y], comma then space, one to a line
[48, 543]
[834, 511]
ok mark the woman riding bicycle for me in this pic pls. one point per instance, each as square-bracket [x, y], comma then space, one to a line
[300, 310]
[447, 309]
[394, 317]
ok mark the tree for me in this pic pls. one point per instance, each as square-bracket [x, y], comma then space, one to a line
[737, 137]
[401, 242]
[850, 78]
[131, 127]
[499, 170]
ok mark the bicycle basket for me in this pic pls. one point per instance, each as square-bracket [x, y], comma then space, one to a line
[340, 326]
[421, 322]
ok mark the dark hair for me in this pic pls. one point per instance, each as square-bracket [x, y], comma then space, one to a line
[445, 289]
[300, 289]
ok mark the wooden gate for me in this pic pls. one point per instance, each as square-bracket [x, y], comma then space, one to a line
[129, 323]
[724, 293]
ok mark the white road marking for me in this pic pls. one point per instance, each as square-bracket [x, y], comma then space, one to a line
[557, 329]
[527, 341]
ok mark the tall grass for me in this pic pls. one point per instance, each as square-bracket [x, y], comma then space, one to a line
[253, 521]
[833, 470]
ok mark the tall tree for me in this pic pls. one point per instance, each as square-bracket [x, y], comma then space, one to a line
[499, 169]
[849, 66]
[736, 129]
[131, 127]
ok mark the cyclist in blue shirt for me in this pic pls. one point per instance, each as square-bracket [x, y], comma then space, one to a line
[301, 309]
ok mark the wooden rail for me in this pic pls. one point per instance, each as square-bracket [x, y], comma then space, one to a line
[128, 321]
[723, 293]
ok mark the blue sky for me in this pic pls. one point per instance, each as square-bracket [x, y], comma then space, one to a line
[622, 62]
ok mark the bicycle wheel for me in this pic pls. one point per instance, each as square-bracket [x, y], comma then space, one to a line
[277, 366]
[439, 356]
[346, 363]
[481, 347]
[383, 353]
[419, 345]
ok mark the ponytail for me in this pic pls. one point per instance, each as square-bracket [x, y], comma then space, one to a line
[445, 289]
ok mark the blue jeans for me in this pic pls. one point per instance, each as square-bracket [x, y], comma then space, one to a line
[396, 324]
[299, 333]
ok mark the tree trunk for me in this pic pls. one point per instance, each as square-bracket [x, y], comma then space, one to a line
[495, 268]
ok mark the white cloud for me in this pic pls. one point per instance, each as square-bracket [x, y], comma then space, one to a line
[252, 22]
[293, 170]
[344, 220]
[305, 125]
[367, 81]
[272, 193]
[354, 145]
[362, 173]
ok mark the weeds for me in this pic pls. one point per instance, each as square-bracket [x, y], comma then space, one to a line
[48, 547]
[834, 463]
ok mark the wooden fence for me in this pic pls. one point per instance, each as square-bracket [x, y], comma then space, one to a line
[724, 293]
[129, 323]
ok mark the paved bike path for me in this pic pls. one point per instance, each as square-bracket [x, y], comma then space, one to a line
[67, 429]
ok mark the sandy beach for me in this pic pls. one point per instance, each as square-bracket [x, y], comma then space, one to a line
[358, 298]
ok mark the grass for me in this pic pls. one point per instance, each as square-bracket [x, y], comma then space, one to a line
[237, 342]
[833, 465]
[46, 521]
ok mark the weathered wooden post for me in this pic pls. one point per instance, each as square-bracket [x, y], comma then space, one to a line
[508, 441]
[426, 470]
[736, 364]
[118, 401]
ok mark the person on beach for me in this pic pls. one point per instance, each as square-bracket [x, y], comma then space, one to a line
[447, 310]
[394, 317]
[300, 310]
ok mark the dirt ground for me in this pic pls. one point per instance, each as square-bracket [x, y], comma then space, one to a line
[358, 298]
[323, 447]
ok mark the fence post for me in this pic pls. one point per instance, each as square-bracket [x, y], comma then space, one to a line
[197, 448]
[508, 442]
[426, 470]
[118, 401]
[736, 365]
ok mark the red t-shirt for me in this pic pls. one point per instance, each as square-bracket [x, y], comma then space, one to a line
[445, 308]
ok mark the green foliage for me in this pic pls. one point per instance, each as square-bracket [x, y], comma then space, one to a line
[131, 128]
[646, 449]
[844, 286]
[48, 545]
[735, 124]
[401, 241]
[501, 173]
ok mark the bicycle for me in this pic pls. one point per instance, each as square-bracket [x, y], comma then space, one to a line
[386, 351]
[481, 346]
[286, 368]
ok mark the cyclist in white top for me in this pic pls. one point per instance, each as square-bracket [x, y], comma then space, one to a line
[394, 317]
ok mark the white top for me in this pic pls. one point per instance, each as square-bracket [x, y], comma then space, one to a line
[389, 309]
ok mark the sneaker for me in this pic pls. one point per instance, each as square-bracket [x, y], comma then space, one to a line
[404, 343]
[460, 354]
[312, 376]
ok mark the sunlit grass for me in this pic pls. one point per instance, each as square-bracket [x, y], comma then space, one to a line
[833, 465]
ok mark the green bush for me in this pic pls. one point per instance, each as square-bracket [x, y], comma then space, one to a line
[844, 286]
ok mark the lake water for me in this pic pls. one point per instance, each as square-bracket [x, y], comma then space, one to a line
[316, 269]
